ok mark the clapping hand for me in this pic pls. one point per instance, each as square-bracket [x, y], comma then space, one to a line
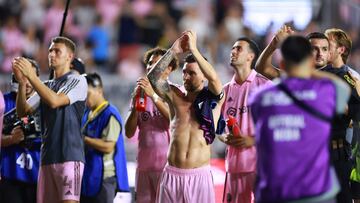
[190, 39]
[19, 76]
[22, 69]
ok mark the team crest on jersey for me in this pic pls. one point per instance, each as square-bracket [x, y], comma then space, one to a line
[147, 115]
[231, 111]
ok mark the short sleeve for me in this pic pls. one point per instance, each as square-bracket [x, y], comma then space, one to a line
[253, 103]
[75, 88]
[34, 101]
[342, 95]
[354, 73]
[112, 130]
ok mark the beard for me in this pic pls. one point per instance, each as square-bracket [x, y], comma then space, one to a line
[189, 87]
[320, 64]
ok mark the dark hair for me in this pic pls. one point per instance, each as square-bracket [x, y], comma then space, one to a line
[94, 80]
[190, 58]
[316, 35]
[253, 47]
[157, 51]
[78, 65]
[295, 49]
[64, 40]
[35, 65]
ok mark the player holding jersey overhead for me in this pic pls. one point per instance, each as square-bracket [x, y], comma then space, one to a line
[187, 177]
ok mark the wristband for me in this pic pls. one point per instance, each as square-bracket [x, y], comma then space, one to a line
[155, 97]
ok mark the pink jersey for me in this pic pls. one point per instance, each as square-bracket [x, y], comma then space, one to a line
[154, 138]
[236, 105]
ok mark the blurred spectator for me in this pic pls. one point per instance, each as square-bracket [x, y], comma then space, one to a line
[170, 34]
[109, 10]
[85, 15]
[53, 20]
[86, 55]
[355, 59]
[313, 26]
[12, 40]
[220, 53]
[152, 25]
[191, 20]
[31, 43]
[128, 31]
[32, 14]
[9, 8]
[220, 46]
[142, 8]
[131, 67]
[99, 39]
[233, 22]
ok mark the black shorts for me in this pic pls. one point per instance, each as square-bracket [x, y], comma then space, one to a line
[17, 192]
[355, 189]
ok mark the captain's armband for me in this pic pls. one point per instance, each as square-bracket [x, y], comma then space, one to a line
[219, 96]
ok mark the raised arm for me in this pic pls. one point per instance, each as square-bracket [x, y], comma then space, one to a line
[209, 72]
[155, 75]
[50, 97]
[22, 107]
[263, 64]
[159, 83]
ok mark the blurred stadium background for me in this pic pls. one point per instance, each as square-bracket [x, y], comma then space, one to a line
[112, 35]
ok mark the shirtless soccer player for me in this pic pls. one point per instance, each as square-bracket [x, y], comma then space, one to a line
[187, 176]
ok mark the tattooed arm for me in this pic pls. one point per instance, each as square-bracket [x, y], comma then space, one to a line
[159, 83]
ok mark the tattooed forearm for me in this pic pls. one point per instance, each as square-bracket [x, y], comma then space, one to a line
[154, 76]
[163, 86]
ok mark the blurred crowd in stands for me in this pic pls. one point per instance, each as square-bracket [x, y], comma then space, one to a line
[112, 35]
